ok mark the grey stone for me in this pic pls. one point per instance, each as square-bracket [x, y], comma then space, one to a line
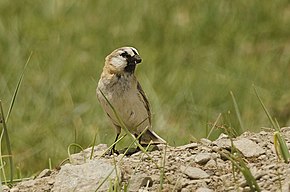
[185, 190]
[204, 189]
[248, 148]
[194, 172]
[138, 181]
[285, 186]
[44, 173]
[14, 189]
[188, 146]
[202, 158]
[83, 156]
[223, 143]
[210, 164]
[5, 188]
[223, 136]
[205, 141]
[86, 177]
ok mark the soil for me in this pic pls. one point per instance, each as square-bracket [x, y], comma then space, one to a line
[203, 166]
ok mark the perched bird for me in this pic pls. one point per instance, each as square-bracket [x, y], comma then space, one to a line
[120, 87]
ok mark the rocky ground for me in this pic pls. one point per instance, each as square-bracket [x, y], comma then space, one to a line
[201, 167]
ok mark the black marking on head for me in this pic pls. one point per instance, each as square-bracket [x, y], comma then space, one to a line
[125, 54]
[134, 52]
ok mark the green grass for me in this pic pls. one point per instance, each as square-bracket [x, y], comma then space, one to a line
[194, 53]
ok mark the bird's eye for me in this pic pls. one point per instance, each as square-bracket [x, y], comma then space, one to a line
[124, 54]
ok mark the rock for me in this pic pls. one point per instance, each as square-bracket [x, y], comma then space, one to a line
[285, 186]
[188, 146]
[205, 141]
[138, 181]
[5, 188]
[194, 172]
[83, 156]
[44, 173]
[202, 158]
[204, 189]
[248, 148]
[223, 143]
[85, 177]
[210, 164]
[14, 189]
[27, 184]
[223, 136]
[185, 190]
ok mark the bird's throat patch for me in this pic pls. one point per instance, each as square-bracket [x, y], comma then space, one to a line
[130, 68]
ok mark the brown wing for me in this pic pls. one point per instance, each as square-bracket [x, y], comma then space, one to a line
[144, 100]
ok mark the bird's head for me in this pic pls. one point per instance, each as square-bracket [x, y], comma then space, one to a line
[123, 60]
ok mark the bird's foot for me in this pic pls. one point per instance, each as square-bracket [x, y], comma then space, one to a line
[113, 151]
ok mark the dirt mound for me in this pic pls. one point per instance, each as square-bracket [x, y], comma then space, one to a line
[202, 166]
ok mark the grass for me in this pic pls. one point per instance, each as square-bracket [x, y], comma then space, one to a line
[281, 148]
[194, 53]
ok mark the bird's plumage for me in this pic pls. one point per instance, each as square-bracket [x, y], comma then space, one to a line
[121, 88]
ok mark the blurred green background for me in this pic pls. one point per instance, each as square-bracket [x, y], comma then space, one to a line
[194, 53]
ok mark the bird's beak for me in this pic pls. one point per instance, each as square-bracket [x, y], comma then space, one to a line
[136, 59]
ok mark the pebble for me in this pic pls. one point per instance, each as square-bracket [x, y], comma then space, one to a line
[202, 158]
[44, 173]
[204, 189]
[194, 172]
[190, 158]
[210, 164]
[14, 189]
[223, 136]
[138, 181]
[188, 146]
[205, 141]
[248, 148]
[5, 188]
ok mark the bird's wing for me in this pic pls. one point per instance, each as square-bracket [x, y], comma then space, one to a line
[144, 100]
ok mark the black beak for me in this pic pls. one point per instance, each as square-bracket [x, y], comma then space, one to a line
[137, 59]
[134, 60]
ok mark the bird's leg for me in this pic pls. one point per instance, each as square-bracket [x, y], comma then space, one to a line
[113, 150]
[139, 140]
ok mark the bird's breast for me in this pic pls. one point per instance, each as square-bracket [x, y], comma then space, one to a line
[124, 96]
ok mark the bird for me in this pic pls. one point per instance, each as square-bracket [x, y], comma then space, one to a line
[119, 88]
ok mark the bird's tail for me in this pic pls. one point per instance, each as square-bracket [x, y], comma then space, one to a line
[150, 135]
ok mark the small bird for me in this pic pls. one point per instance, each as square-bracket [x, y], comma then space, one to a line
[118, 86]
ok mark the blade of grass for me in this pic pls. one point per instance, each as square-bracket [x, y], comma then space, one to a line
[73, 145]
[17, 88]
[8, 144]
[49, 164]
[266, 111]
[162, 171]
[5, 120]
[111, 146]
[93, 146]
[2, 163]
[214, 125]
[281, 147]
[239, 163]
[237, 111]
